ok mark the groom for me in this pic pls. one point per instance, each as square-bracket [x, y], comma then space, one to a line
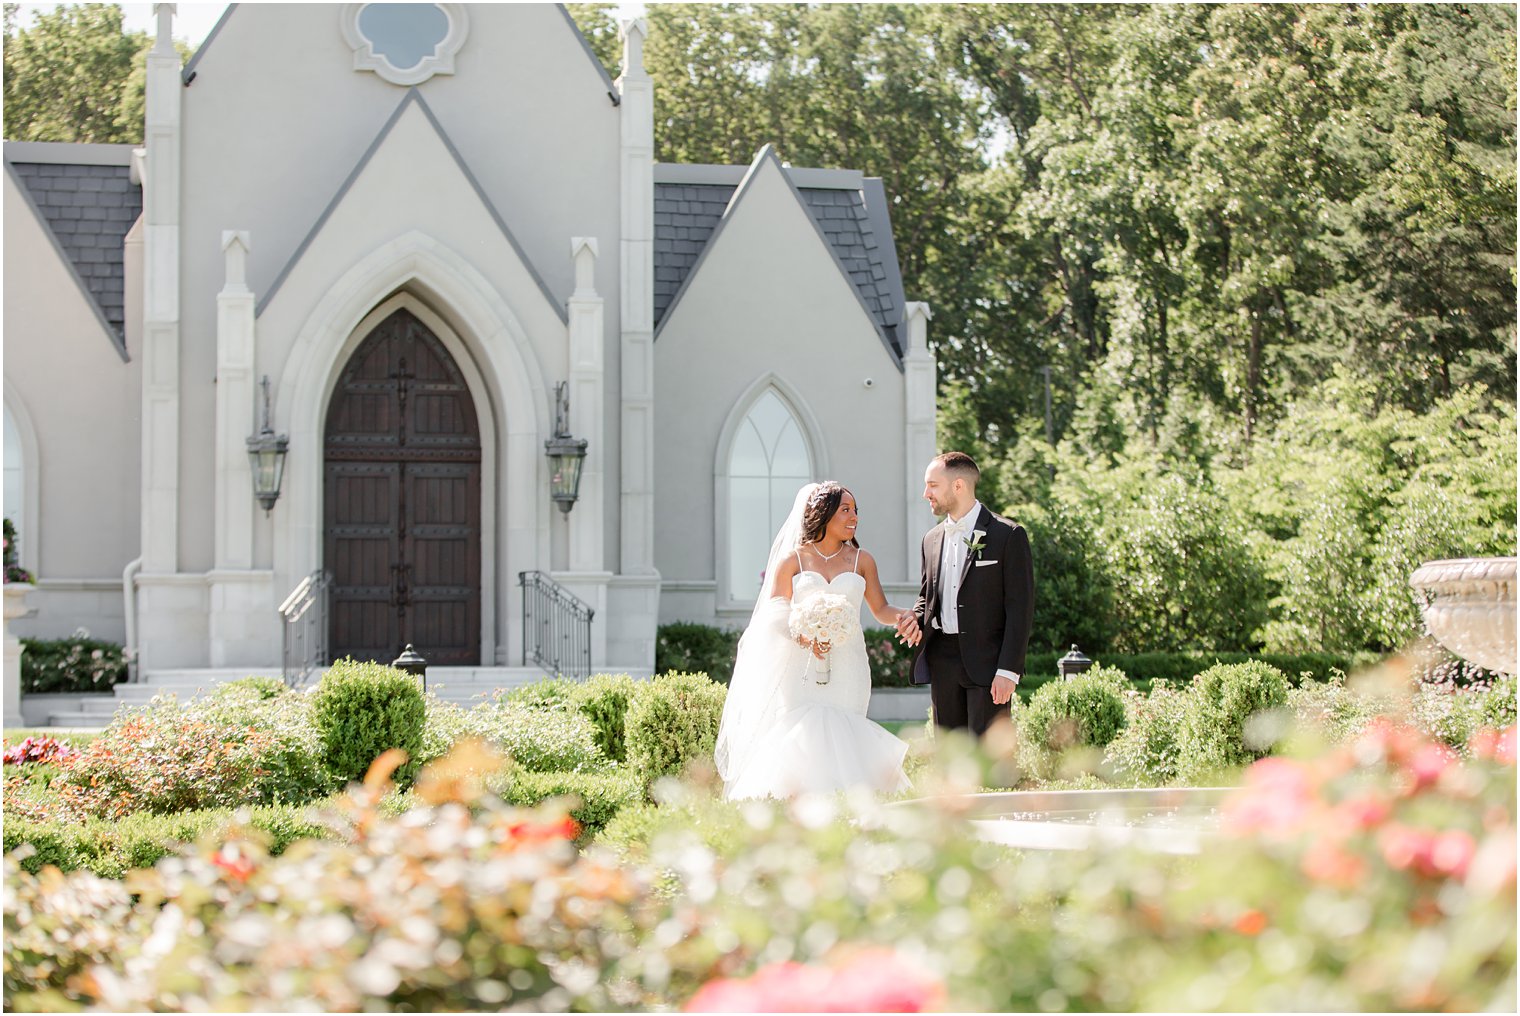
[975, 603]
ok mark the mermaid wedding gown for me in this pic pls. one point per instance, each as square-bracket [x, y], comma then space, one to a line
[815, 738]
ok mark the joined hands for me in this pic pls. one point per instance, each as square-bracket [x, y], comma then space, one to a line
[907, 628]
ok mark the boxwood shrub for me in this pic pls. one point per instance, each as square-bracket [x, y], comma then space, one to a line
[364, 709]
[600, 795]
[673, 721]
[1218, 729]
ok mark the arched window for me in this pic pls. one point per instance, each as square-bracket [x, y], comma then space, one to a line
[767, 461]
[15, 481]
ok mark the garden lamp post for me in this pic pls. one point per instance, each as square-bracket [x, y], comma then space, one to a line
[1073, 663]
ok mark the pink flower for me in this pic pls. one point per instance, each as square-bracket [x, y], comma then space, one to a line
[1452, 853]
[1327, 861]
[1278, 797]
[1405, 848]
[1363, 811]
[1505, 752]
[1428, 853]
[1427, 763]
[875, 980]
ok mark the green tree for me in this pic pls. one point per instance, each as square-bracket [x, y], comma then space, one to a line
[74, 75]
[599, 24]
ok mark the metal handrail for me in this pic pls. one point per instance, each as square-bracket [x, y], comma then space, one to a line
[303, 617]
[556, 626]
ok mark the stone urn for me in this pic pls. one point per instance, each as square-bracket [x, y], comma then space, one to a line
[1469, 607]
[15, 608]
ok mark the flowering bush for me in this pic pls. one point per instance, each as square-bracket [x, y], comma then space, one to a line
[13, 570]
[165, 760]
[541, 740]
[1149, 748]
[499, 911]
[38, 749]
[1376, 876]
[1453, 713]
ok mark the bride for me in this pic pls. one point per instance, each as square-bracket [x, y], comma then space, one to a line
[783, 732]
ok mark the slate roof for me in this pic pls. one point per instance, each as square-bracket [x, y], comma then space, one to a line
[88, 209]
[685, 216]
[852, 216]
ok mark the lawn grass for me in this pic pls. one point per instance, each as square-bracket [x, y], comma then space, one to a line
[74, 738]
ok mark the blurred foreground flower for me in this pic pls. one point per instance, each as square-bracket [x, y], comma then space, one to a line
[873, 980]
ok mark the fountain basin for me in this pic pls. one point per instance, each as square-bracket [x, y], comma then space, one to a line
[1469, 607]
[1173, 820]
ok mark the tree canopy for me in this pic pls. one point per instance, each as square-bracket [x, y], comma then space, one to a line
[74, 75]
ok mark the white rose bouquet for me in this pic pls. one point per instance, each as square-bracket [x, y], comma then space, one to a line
[826, 619]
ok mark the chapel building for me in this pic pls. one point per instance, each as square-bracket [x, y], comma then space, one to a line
[425, 245]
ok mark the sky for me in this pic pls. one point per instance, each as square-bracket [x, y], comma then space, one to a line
[193, 22]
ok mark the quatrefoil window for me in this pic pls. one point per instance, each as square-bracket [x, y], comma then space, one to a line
[405, 43]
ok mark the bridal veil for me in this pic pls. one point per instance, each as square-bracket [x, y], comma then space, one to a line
[766, 654]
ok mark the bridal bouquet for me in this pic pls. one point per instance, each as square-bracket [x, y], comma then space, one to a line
[826, 619]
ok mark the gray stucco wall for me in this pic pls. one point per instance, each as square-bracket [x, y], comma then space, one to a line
[276, 119]
[63, 371]
[769, 300]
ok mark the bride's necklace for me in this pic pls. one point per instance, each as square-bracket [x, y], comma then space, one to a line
[827, 557]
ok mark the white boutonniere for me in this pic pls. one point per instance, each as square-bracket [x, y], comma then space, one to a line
[974, 544]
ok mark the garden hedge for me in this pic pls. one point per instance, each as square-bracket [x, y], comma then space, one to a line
[71, 665]
[110, 848]
[703, 648]
[601, 795]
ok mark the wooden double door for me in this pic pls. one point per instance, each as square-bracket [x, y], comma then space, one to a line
[402, 501]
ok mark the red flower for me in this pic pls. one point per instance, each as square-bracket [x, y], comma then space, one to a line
[525, 833]
[235, 865]
[1252, 922]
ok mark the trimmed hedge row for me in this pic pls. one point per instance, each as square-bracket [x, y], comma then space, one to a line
[67, 666]
[112, 847]
[698, 647]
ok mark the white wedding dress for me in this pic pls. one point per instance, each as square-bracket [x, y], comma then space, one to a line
[809, 737]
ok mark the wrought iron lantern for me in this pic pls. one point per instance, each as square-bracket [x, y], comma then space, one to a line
[266, 458]
[566, 454]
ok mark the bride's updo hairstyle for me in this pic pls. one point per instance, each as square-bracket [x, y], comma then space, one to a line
[822, 505]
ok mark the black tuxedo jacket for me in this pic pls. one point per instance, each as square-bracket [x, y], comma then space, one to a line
[995, 606]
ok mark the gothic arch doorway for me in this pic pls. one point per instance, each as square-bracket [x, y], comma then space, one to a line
[401, 497]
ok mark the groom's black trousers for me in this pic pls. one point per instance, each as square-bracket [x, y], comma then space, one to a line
[958, 703]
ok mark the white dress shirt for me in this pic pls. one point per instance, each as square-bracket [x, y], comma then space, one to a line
[952, 560]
